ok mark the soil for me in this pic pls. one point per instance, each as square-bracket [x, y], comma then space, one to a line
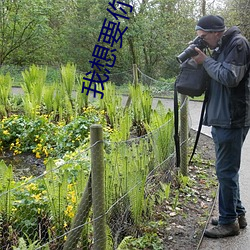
[25, 164]
[187, 222]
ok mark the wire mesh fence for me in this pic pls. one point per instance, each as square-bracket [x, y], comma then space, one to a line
[55, 210]
[42, 210]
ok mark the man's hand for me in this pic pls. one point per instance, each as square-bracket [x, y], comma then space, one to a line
[200, 58]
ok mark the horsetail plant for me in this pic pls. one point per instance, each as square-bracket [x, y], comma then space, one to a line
[68, 74]
[5, 89]
[6, 184]
[141, 106]
[48, 98]
[33, 86]
[81, 100]
[161, 127]
[56, 184]
[114, 108]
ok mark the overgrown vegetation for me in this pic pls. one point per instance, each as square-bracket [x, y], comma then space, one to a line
[38, 211]
[35, 211]
[57, 32]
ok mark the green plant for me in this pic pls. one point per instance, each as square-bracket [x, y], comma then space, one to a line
[161, 128]
[112, 108]
[5, 89]
[23, 246]
[81, 99]
[33, 86]
[68, 74]
[56, 187]
[184, 181]
[164, 191]
[141, 104]
[30, 208]
[44, 137]
[6, 196]
[48, 98]
[176, 199]
[147, 241]
[126, 173]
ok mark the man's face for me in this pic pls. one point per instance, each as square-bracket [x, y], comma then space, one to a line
[211, 38]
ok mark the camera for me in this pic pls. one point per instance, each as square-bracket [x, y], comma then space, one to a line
[190, 51]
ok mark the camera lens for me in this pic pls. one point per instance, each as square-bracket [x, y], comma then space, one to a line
[190, 51]
[187, 53]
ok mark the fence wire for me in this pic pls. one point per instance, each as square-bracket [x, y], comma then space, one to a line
[44, 210]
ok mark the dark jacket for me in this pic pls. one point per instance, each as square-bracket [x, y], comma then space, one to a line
[229, 90]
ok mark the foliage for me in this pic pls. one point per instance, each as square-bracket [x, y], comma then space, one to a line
[147, 241]
[57, 32]
[30, 204]
[68, 73]
[43, 137]
[141, 106]
[49, 202]
[43, 206]
[22, 22]
[34, 81]
[113, 109]
[22, 245]
[6, 184]
[5, 89]
[161, 126]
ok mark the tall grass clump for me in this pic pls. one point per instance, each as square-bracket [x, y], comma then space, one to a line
[161, 130]
[81, 99]
[141, 106]
[5, 90]
[68, 75]
[33, 85]
[111, 103]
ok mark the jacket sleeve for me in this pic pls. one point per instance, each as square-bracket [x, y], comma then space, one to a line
[234, 66]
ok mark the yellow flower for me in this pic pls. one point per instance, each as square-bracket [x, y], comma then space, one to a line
[6, 132]
[31, 187]
[12, 145]
[69, 211]
[37, 196]
[14, 209]
[38, 155]
[73, 199]
[45, 151]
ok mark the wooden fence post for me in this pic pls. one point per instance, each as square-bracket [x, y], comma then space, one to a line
[135, 74]
[98, 194]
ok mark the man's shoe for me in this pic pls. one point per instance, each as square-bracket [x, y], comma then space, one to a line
[241, 219]
[221, 231]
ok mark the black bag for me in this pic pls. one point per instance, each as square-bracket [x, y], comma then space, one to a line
[192, 80]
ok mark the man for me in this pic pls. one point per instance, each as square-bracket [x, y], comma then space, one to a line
[228, 112]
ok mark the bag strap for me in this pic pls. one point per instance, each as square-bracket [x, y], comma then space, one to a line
[176, 126]
[199, 127]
